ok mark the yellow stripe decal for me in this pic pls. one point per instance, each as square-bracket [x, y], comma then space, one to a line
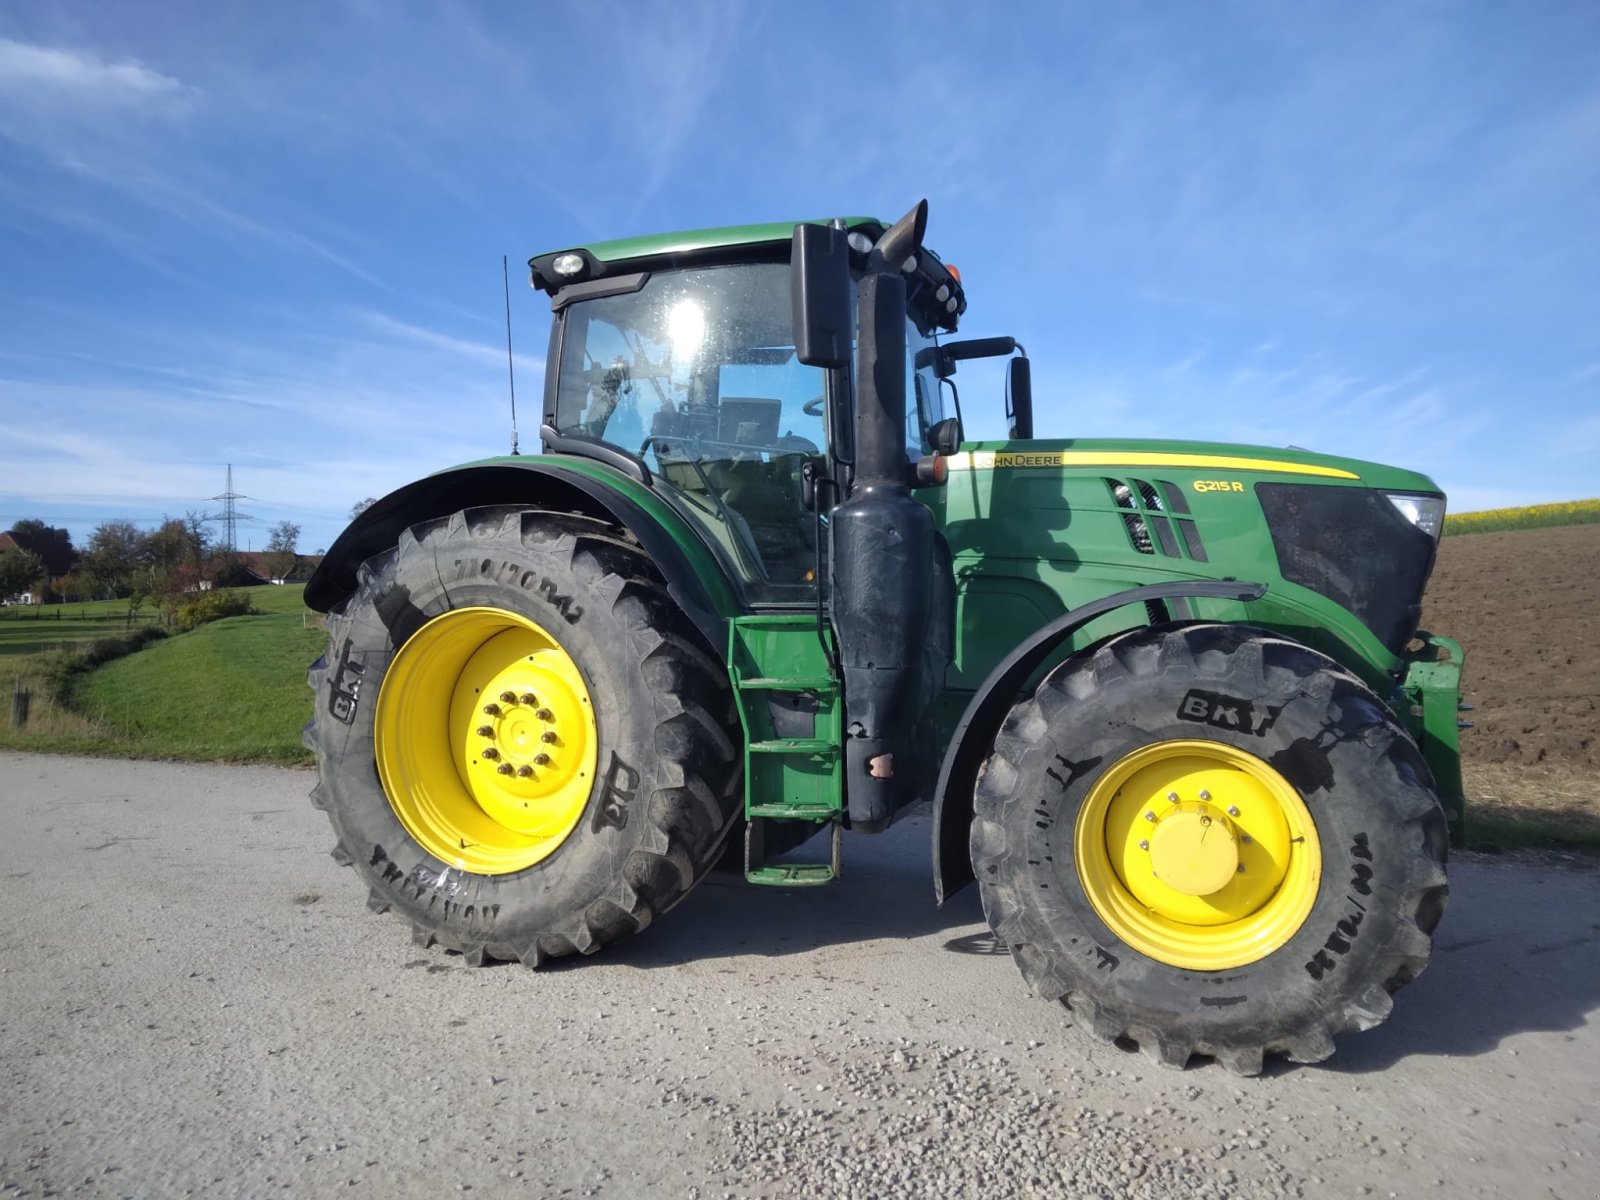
[1004, 460]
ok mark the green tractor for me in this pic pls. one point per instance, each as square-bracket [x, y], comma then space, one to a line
[1167, 700]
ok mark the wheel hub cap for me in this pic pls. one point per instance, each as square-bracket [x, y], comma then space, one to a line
[1194, 853]
[1197, 854]
[485, 740]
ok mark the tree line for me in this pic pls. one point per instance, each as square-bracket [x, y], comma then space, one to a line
[122, 561]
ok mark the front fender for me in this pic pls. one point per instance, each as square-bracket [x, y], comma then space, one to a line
[695, 578]
[974, 734]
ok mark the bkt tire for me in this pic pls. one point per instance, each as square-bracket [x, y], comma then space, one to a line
[524, 748]
[1205, 839]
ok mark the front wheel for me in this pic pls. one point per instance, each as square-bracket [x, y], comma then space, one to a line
[523, 747]
[1209, 840]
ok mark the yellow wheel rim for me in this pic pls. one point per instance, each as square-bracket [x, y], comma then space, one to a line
[485, 740]
[1198, 854]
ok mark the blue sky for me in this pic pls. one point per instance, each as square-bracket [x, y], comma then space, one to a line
[271, 234]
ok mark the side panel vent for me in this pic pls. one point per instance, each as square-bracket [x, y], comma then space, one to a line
[1150, 511]
[1138, 531]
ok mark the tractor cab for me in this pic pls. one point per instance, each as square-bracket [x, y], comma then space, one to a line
[681, 358]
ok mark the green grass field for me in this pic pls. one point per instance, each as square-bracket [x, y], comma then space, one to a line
[1535, 516]
[230, 691]
[25, 629]
[234, 690]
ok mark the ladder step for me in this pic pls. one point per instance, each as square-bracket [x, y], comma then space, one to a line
[810, 874]
[794, 812]
[793, 875]
[778, 683]
[793, 746]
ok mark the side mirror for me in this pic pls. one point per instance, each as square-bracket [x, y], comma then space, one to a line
[819, 292]
[1020, 410]
[946, 436]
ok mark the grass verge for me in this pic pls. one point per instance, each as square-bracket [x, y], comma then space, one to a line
[231, 691]
[1543, 806]
[1534, 516]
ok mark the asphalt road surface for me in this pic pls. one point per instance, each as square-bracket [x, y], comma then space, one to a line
[195, 1001]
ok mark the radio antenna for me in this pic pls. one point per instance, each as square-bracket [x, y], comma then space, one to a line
[511, 370]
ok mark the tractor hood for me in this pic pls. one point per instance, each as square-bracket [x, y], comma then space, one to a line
[1229, 461]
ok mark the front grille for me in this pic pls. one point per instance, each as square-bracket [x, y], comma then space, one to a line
[1352, 546]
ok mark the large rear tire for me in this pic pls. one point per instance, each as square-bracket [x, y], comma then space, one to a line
[523, 747]
[1206, 839]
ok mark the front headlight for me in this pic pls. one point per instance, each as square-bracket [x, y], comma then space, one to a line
[1425, 512]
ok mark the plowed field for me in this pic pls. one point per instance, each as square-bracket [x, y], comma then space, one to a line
[1526, 605]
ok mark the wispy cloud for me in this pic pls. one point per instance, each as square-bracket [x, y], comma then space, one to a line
[479, 352]
[41, 72]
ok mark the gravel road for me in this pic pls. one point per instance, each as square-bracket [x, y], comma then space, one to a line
[194, 1000]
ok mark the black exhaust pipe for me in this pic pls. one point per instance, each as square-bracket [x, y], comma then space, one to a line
[883, 554]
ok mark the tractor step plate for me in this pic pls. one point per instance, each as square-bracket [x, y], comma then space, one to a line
[799, 874]
[794, 746]
[792, 875]
[773, 683]
[818, 813]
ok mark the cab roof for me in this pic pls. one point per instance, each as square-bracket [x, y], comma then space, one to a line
[691, 241]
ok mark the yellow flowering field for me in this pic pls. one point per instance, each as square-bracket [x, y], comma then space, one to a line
[1533, 516]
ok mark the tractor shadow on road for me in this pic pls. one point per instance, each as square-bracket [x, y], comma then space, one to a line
[1516, 953]
[885, 892]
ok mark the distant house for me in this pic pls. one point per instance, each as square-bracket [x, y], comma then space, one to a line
[256, 563]
[36, 596]
[242, 570]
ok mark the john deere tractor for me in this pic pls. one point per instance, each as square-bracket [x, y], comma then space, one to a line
[1167, 700]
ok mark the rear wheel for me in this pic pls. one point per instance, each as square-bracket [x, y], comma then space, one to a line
[523, 746]
[1209, 840]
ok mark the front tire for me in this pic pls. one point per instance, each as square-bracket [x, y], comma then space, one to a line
[523, 746]
[1206, 839]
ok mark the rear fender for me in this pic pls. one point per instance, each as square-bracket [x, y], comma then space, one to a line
[695, 578]
[974, 735]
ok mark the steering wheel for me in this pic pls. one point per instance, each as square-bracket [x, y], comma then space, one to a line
[812, 408]
[793, 443]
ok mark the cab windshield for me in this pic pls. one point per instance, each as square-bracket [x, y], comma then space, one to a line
[696, 373]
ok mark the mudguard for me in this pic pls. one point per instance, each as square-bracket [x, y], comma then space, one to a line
[986, 711]
[695, 578]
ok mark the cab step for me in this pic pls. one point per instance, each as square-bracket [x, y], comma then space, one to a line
[793, 746]
[778, 683]
[791, 712]
[804, 874]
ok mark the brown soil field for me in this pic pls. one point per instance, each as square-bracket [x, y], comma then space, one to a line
[1523, 604]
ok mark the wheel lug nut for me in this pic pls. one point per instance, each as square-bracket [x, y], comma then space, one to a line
[529, 699]
[508, 697]
[542, 759]
[547, 737]
[1244, 838]
[524, 771]
[491, 710]
[1172, 796]
[544, 715]
[491, 753]
[1144, 845]
[504, 768]
[1233, 810]
[1241, 868]
[485, 730]
[1150, 816]
[1204, 795]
